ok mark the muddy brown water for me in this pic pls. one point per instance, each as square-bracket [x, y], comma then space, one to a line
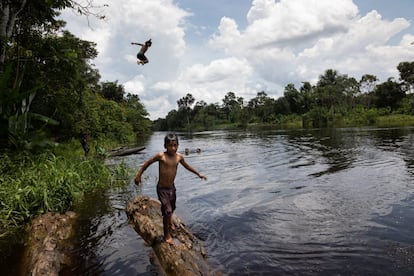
[299, 202]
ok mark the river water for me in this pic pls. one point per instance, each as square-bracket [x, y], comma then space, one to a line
[297, 202]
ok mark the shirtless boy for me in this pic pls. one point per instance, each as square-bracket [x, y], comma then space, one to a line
[168, 162]
[142, 59]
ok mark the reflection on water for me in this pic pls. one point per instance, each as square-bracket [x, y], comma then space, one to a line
[301, 202]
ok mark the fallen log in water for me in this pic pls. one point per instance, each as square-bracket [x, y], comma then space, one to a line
[185, 257]
[47, 252]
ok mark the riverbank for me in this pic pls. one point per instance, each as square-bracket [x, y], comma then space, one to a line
[53, 181]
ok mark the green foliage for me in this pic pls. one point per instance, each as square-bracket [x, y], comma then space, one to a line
[389, 94]
[136, 115]
[406, 70]
[292, 121]
[396, 120]
[407, 105]
[32, 185]
[15, 109]
[112, 91]
[317, 117]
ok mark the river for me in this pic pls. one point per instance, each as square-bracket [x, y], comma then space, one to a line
[276, 202]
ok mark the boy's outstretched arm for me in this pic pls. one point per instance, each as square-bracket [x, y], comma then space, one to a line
[145, 166]
[191, 169]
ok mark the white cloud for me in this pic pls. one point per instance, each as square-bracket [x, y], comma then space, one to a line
[136, 85]
[287, 41]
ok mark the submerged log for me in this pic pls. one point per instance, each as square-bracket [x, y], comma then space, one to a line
[186, 257]
[124, 151]
[47, 252]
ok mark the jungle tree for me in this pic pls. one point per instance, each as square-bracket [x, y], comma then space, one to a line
[112, 91]
[232, 106]
[262, 106]
[406, 70]
[35, 13]
[389, 94]
[184, 105]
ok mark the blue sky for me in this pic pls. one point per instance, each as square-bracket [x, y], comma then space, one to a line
[209, 48]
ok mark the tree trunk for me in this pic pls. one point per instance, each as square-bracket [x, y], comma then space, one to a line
[185, 257]
[8, 16]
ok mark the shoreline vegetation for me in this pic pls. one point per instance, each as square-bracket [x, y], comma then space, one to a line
[298, 122]
[52, 181]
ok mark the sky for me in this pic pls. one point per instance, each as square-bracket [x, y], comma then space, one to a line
[211, 47]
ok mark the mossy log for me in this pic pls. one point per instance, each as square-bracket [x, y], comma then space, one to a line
[186, 257]
[48, 247]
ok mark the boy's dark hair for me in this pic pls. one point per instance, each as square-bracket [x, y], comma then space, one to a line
[170, 137]
[148, 42]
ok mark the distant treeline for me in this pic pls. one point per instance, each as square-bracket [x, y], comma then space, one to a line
[335, 100]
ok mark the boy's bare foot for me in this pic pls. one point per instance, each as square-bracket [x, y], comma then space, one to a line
[169, 241]
[172, 226]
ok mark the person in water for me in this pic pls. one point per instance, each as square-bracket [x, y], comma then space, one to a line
[142, 59]
[187, 151]
[167, 169]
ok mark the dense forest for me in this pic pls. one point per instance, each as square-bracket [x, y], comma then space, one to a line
[335, 100]
[49, 90]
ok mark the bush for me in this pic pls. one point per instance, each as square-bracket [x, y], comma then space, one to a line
[33, 185]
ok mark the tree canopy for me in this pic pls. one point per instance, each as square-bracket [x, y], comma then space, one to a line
[50, 90]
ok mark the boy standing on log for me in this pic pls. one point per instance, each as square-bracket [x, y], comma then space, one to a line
[168, 162]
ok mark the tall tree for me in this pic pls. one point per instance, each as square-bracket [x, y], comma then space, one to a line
[328, 92]
[232, 105]
[9, 12]
[113, 91]
[306, 90]
[184, 105]
[60, 65]
[293, 97]
[17, 15]
[262, 106]
[333, 89]
[137, 115]
[406, 70]
[389, 94]
[368, 83]
[228, 102]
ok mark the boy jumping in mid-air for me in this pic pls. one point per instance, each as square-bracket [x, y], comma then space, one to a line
[142, 59]
[168, 162]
